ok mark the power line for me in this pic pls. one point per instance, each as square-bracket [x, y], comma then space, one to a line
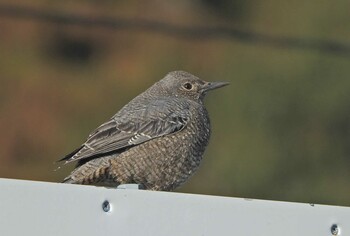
[187, 32]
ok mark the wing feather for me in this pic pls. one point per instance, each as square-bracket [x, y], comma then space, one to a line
[126, 130]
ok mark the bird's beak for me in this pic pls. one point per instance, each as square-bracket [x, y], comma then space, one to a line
[213, 85]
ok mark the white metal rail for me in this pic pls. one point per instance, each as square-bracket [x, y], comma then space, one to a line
[39, 208]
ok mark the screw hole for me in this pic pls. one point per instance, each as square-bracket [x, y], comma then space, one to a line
[335, 229]
[106, 206]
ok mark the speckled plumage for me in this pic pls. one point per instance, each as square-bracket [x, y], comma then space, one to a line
[157, 140]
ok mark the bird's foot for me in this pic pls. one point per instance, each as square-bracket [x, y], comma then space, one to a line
[129, 186]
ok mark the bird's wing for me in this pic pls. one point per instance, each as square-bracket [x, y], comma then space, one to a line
[127, 129]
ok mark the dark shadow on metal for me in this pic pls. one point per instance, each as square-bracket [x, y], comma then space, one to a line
[192, 33]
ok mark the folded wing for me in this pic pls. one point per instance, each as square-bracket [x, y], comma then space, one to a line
[130, 128]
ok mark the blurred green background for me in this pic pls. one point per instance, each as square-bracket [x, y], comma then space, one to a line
[281, 130]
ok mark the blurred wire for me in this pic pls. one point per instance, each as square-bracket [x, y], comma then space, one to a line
[193, 33]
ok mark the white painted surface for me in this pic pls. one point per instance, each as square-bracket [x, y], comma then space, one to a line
[38, 208]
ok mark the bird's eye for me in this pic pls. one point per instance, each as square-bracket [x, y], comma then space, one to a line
[188, 86]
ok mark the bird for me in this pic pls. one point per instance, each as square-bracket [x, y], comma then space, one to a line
[157, 140]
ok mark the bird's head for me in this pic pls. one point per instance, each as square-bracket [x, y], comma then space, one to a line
[184, 84]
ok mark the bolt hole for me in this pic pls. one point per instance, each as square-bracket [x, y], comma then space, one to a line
[335, 229]
[106, 206]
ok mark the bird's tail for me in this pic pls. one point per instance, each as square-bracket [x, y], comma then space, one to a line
[94, 171]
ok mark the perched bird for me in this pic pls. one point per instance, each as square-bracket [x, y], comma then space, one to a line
[157, 140]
